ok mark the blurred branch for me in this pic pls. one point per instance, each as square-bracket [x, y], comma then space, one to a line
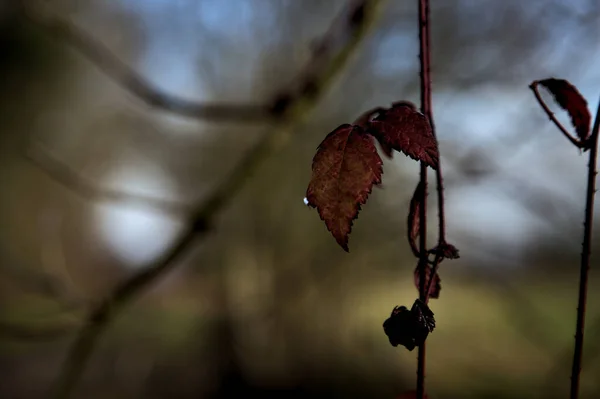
[70, 179]
[304, 87]
[295, 108]
[33, 333]
[129, 79]
[45, 284]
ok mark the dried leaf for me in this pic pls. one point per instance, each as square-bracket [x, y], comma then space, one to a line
[344, 171]
[567, 96]
[386, 149]
[405, 129]
[414, 218]
[446, 251]
[409, 328]
[364, 120]
[436, 287]
[399, 328]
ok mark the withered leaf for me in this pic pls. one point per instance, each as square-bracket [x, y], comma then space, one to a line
[405, 129]
[409, 328]
[569, 98]
[436, 287]
[386, 149]
[414, 218]
[445, 251]
[344, 170]
[364, 120]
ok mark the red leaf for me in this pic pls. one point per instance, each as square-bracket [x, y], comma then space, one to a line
[363, 122]
[436, 287]
[386, 149]
[405, 129]
[446, 251]
[414, 218]
[567, 96]
[343, 173]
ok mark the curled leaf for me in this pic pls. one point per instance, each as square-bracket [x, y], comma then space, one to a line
[344, 170]
[436, 286]
[445, 251]
[386, 149]
[569, 98]
[405, 129]
[414, 218]
[364, 120]
[409, 328]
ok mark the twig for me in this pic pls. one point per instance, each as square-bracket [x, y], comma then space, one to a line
[101, 316]
[585, 258]
[426, 110]
[534, 87]
[70, 179]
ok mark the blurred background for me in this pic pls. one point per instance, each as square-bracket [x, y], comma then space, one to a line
[267, 302]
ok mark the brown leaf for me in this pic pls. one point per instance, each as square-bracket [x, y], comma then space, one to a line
[445, 250]
[414, 218]
[343, 173]
[387, 150]
[405, 129]
[409, 328]
[436, 287]
[567, 96]
[364, 120]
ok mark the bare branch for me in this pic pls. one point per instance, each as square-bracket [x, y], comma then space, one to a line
[361, 17]
[534, 87]
[70, 179]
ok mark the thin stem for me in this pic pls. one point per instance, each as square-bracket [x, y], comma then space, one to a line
[426, 110]
[534, 87]
[105, 312]
[585, 259]
[423, 265]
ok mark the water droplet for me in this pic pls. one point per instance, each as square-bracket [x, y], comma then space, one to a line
[305, 201]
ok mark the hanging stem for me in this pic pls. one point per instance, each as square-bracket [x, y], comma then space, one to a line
[585, 258]
[426, 110]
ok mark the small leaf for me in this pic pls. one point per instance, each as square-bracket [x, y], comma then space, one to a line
[436, 287]
[414, 218]
[344, 171]
[405, 129]
[409, 328]
[567, 96]
[445, 250]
